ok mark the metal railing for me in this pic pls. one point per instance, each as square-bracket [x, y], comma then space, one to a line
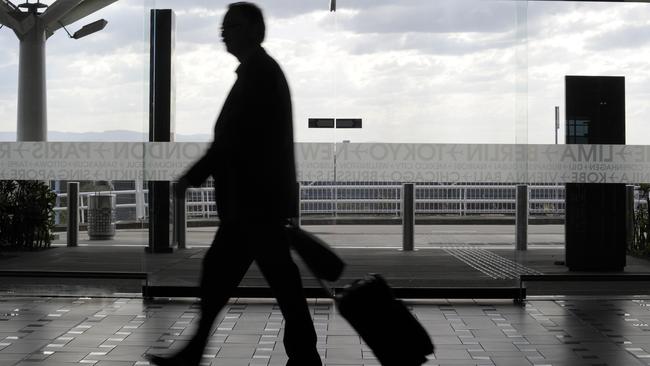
[199, 204]
[454, 199]
[357, 199]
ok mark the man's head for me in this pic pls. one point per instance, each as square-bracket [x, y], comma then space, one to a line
[243, 28]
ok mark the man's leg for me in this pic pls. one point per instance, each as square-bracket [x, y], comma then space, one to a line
[274, 259]
[224, 265]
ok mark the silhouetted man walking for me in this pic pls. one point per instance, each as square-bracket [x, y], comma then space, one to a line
[252, 162]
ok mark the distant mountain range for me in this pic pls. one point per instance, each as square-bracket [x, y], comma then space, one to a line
[114, 135]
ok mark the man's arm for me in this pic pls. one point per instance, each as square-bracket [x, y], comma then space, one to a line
[198, 173]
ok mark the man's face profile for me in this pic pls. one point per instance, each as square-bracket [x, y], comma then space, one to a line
[234, 32]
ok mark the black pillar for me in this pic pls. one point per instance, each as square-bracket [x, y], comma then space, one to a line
[595, 226]
[161, 122]
[73, 214]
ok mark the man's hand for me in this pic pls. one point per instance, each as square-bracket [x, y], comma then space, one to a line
[181, 187]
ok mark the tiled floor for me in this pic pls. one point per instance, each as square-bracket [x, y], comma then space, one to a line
[118, 332]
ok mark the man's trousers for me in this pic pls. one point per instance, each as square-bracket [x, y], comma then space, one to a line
[235, 247]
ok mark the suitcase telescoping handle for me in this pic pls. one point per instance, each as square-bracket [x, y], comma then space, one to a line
[321, 260]
[329, 290]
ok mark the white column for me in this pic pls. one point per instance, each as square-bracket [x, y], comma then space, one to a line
[32, 95]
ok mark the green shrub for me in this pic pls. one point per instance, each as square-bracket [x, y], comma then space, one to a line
[7, 211]
[640, 245]
[26, 214]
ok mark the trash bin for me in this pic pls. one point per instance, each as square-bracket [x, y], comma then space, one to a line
[101, 216]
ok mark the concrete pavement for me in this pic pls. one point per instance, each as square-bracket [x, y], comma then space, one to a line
[457, 256]
[369, 236]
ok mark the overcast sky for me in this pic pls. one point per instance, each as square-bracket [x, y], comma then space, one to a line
[443, 71]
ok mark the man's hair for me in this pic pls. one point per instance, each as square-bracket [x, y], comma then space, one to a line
[253, 14]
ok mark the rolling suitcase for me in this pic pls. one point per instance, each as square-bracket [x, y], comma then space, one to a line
[383, 322]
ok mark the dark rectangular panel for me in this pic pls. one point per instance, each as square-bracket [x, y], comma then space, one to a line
[595, 232]
[348, 123]
[595, 229]
[321, 123]
[318, 292]
[595, 110]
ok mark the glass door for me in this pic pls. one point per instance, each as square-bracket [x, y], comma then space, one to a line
[583, 72]
[81, 184]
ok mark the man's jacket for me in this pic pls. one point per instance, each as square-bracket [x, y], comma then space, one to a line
[251, 158]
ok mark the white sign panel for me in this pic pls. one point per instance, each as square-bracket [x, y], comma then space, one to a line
[493, 163]
[315, 161]
[147, 161]
[368, 162]
[97, 160]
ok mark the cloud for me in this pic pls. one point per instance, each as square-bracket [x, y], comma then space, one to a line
[627, 37]
[432, 43]
[415, 70]
[425, 16]
[197, 22]
[270, 8]
[8, 63]
[127, 26]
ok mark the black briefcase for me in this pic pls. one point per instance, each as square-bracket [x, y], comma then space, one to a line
[384, 322]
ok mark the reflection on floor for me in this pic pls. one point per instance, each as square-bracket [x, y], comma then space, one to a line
[119, 331]
[448, 266]
[493, 265]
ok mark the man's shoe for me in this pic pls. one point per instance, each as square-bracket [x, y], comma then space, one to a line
[166, 361]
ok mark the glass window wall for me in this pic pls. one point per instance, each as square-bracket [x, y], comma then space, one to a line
[458, 97]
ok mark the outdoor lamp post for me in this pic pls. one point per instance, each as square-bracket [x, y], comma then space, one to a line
[33, 23]
[338, 123]
[557, 122]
